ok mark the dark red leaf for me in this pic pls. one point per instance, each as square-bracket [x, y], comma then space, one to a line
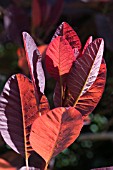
[87, 101]
[18, 110]
[34, 59]
[90, 99]
[36, 161]
[36, 13]
[85, 69]
[70, 35]
[53, 132]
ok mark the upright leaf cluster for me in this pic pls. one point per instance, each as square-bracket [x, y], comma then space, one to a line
[27, 123]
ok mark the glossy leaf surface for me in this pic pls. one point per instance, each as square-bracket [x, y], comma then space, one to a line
[59, 57]
[56, 130]
[35, 65]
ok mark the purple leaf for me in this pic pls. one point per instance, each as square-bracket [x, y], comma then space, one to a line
[34, 59]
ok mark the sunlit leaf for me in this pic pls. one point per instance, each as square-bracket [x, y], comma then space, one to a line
[56, 130]
[18, 110]
[34, 59]
[70, 35]
[85, 70]
[89, 100]
[59, 57]
[86, 102]
[89, 41]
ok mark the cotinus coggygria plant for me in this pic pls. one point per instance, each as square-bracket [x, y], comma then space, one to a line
[27, 123]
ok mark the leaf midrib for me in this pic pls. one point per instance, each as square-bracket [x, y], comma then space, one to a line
[86, 79]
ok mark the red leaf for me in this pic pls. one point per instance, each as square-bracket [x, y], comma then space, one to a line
[88, 101]
[36, 13]
[89, 41]
[59, 57]
[53, 132]
[70, 35]
[85, 69]
[35, 65]
[18, 110]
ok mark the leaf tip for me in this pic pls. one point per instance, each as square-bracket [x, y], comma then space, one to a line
[25, 35]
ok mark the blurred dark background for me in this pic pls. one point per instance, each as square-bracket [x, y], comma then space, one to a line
[94, 147]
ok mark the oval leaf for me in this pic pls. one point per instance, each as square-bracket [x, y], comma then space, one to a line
[70, 35]
[88, 101]
[85, 70]
[59, 57]
[35, 65]
[55, 131]
[18, 110]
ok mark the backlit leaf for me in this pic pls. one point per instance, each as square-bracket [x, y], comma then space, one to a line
[35, 65]
[56, 130]
[89, 41]
[70, 35]
[18, 110]
[88, 101]
[59, 57]
[85, 70]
